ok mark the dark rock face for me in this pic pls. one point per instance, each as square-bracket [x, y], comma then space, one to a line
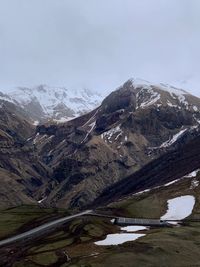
[42, 129]
[171, 166]
[21, 172]
[106, 120]
[158, 123]
[123, 98]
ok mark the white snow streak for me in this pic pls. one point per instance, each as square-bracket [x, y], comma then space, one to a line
[173, 139]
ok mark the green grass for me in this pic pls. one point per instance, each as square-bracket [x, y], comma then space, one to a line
[161, 247]
[77, 232]
[153, 204]
[11, 220]
[166, 247]
[138, 207]
[44, 259]
[52, 246]
[25, 264]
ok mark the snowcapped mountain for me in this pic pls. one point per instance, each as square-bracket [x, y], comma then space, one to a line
[53, 103]
[135, 124]
[148, 94]
[59, 104]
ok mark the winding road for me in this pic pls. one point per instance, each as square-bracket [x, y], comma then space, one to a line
[37, 231]
[40, 229]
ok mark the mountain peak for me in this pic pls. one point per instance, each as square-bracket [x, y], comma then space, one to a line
[140, 94]
[59, 104]
[148, 94]
[140, 83]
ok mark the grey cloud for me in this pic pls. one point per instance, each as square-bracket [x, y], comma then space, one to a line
[99, 44]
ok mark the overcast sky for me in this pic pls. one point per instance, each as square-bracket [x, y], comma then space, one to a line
[99, 44]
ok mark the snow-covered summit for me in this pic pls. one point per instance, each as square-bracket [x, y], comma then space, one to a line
[56, 103]
[60, 104]
[148, 94]
[137, 83]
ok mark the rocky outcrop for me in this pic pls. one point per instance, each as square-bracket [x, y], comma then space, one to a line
[123, 98]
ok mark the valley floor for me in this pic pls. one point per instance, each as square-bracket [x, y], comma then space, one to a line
[77, 243]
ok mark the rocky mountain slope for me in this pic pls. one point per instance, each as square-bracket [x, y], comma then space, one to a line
[44, 103]
[139, 151]
[21, 172]
[134, 125]
[169, 167]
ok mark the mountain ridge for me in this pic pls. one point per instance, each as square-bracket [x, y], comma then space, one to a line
[59, 104]
[116, 139]
[80, 158]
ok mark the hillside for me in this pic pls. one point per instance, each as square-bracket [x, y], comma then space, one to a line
[166, 169]
[21, 171]
[96, 150]
[71, 164]
[136, 155]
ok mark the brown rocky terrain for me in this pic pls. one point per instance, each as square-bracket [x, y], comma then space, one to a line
[72, 163]
[169, 167]
[21, 172]
[134, 125]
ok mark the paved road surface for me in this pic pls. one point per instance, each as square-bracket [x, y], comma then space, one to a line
[42, 228]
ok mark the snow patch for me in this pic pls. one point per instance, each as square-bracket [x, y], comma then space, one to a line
[41, 200]
[116, 239]
[192, 174]
[63, 119]
[195, 108]
[92, 126]
[144, 191]
[117, 131]
[194, 184]
[171, 105]
[152, 98]
[179, 208]
[120, 238]
[170, 183]
[134, 228]
[35, 123]
[173, 90]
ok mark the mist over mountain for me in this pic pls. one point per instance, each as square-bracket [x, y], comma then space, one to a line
[44, 103]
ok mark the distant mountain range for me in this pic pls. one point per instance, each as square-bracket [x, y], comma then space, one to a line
[72, 164]
[45, 103]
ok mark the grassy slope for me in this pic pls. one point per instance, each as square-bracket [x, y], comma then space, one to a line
[167, 247]
[20, 218]
[178, 246]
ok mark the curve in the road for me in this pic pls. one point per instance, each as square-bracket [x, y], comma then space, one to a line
[42, 228]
